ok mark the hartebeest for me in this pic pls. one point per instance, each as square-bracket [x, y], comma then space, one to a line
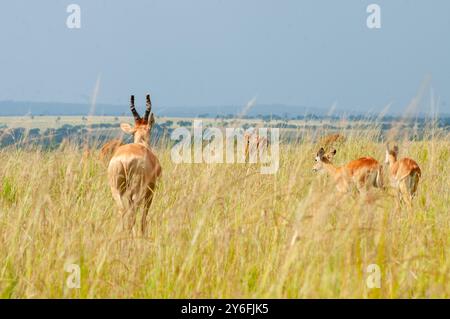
[404, 174]
[253, 143]
[134, 169]
[364, 172]
[109, 148]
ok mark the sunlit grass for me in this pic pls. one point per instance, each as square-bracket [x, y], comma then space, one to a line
[224, 230]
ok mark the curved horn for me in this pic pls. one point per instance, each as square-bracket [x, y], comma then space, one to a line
[148, 108]
[133, 109]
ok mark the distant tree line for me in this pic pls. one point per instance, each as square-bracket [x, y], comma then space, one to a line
[79, 134]
[100, 132]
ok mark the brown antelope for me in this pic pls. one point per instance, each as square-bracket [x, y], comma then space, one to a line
[134, 169]
[253, 142]
[109, 148]
[404, 174]
[332, 140]
[364, 172]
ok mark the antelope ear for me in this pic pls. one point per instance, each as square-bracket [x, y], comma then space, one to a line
[127, 128]
[387, 147]
[152, 120]
[321, 152]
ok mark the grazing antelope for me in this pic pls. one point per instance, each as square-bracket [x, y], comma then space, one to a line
[364, 172]
[404, 175]
[109, 148]
[134, 169]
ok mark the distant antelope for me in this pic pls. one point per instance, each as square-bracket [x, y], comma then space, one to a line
[364, 172]
[404, 174]
[134, 169]
[109, 148]
[253, 142]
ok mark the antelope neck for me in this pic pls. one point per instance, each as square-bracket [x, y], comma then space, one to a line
[392, 160]
[330, 167]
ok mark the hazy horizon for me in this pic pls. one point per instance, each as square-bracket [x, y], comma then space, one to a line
[315, 54]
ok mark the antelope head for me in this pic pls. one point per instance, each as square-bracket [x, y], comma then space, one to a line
[321, 158]
[142, 126]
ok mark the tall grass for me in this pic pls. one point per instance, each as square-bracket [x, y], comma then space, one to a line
[222, 230]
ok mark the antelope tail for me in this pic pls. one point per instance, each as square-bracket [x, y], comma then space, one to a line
[413, 181]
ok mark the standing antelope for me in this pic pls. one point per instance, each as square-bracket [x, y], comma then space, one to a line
[253, 143]
[332, 140]
[134, 169]
[364, 172]
[404, 175]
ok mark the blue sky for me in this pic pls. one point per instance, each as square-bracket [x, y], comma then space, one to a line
[313, 53]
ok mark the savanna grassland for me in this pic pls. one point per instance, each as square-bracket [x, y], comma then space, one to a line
[224, 230]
